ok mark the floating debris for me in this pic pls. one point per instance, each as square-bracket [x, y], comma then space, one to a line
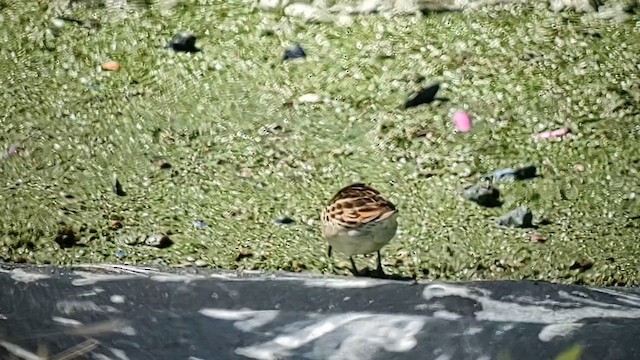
[483, 194]
[272, 128]
[14, 150]
[294, 52]
[579, 6]
[310, 98]
[462, 121]
[183, 42]
[244, 253]
[116, 224]
[88, 24]
[283, 220]
[308, 13]
[555, 134]
[344, 20]
[92, 85]
[159, 241]
[425, 95]
[120, 253]
[199, 224]
[522, 173]
[582, 265]
[521, 217]
[200, 263]
[537, 238]
[111, 66]
[163, 165]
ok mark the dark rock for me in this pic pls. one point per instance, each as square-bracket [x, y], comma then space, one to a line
[502, 174]
[523, 173]
[163, 165]
[537, 238]
[581, 266]
[13, 150]
[200, 263]
[66, 237]
[526, 172]
[116, 224]
[521, 217]
[244, 253]
[424, 96]
[117, 188]
[159, 241]
[294, 52]
[183, 42]
[88, 24]
[483, 194]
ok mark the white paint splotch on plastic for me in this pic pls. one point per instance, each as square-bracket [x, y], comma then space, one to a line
[343, 284]
[553, 331]
[561, 321]
[246, 320]
[344, 336]
[20, 275]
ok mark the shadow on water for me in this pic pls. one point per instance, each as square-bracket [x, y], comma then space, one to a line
[376, 275]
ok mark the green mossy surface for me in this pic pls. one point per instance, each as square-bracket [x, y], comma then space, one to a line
[242, 150]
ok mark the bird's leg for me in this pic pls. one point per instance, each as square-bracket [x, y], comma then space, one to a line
[331, 268]
[354, 269]
[379, 269]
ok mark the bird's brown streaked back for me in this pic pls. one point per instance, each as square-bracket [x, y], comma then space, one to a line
[358, 204]
[360, 194]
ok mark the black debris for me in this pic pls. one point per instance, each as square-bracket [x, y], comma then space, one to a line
[283, 220]
[183, 42]
[159, 241]
[117, 188]
[66, 237]
[294, 52]
[426, 95]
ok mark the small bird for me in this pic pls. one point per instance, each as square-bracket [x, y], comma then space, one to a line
[358, 220]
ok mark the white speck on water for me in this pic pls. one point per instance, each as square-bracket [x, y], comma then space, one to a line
[246, 320]
[66, 321]
[447, 315]
[117, 299]
[343, 284]
[552, 331]
[443, 357]
[120, 354]
[23, 276]
[94, 292]
[89, 278]
[19, 352]
[473, 330]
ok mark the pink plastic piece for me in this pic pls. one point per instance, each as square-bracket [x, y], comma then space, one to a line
[462, 121]
[552, 134]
